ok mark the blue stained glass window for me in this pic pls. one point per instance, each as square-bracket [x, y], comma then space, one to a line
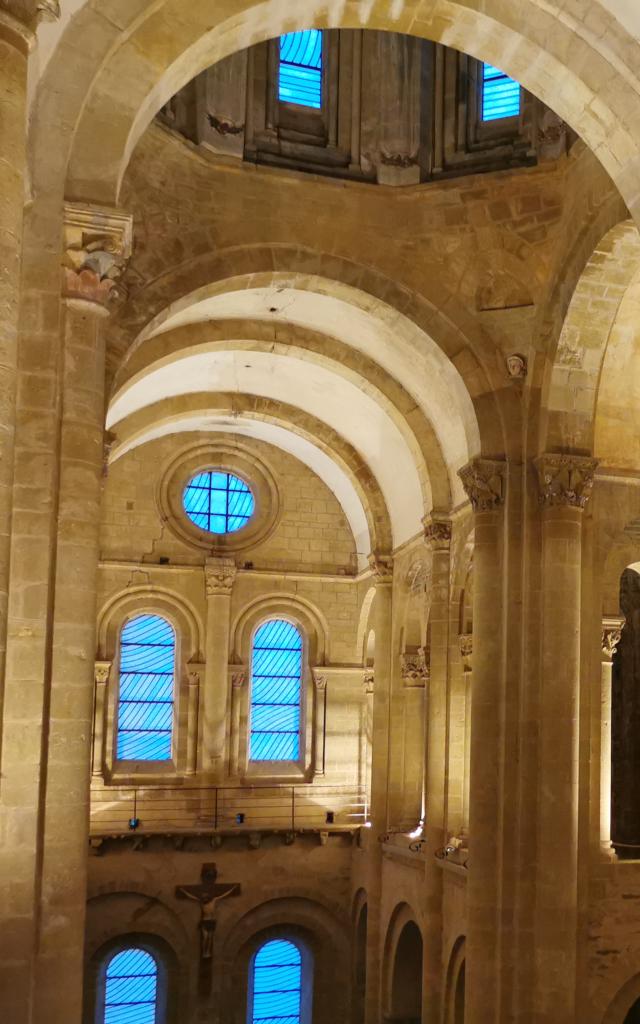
[300, 78]
[277, 984]
[131, 988]
[500, 94]
[145, 705]
[276, 689]
[218, 502]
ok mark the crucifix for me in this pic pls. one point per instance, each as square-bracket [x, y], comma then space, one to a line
[208, 894]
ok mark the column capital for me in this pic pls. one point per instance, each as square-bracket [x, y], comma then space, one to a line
[414, 667]
[612, 627]
[48, 10]
[319, 679]
[97, 247]
[381, 567]
[219, 576]
[437, 531]
[484, 480]
[101, 671]
[565, 479]
[368, 680]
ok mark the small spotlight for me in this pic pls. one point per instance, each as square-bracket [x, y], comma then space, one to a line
[330, 818]
[239, 819]
[417, 832]
[134, 823]
[367, 824]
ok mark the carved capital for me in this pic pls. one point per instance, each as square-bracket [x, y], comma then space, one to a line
[238, 676]
[101, 671]
[565, 479]
[611, 636]
[414, 667]
[382, 567]
[47, 10]
[484, 480]
[319, 680]
[437, 532]
[465, 641]
[219, 576]
[97, 248]
[367, 681]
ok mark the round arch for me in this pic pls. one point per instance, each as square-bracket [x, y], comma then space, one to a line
[403, 967]
[157, 600]
[312, 621]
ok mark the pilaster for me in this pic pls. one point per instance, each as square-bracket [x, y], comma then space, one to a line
[611, 635]
[219, 578]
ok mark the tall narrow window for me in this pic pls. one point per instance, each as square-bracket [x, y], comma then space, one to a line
[277, 984]
[300, 77]
[500, 94]
[131, 988]
[145, 706]
[276, 692]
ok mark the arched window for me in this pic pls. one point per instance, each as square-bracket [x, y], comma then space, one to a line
[300, 75]
[276, 984]
[500, 94]
[145, 699]
[276, 692]
[130, 989]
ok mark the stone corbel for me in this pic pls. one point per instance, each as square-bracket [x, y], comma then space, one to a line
[612, 627]
[97, 247]
[565, 480]
[414, 668]
[219, 576]
[465, 641]
[484, 480]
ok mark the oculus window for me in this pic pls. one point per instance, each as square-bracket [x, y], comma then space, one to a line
[500, 94]
[300, 73]
[146, 690]
[130, 989]
[276, 692]
[276, 984]
[218, 502]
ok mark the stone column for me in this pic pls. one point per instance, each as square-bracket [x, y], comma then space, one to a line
[414, 672]
[382, 610]
[195, 674]
[102, 670]
[611, 635]
[219, 575]
[438, 539]
[466, 651]
[485, 483]
[565, 486]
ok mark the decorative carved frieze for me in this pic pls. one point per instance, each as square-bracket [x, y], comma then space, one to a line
[98, 245]
[465, 641]
[565, 479]
[611, 635]
[484, 480]
[414, 667]
[437, 532]
[382, 567]
[101, 671]
[219, 576]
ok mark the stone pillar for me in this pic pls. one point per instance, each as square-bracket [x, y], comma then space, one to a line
[438, 539]
[611, 635]
[565, 486]
[102, 670]
[485, 483]
[219, 575]
[382, 610]
[466, 651]
[414, 672]
[15, 42]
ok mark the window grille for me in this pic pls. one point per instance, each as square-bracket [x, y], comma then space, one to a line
[300, 77]
[277, 984]
[218, 502]
[500, 94]
[131, 988]
[145, 706]
[276, 688]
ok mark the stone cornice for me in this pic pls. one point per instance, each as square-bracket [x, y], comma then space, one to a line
[484, 480]
[97, 247]
[219, 576]
[565, 480]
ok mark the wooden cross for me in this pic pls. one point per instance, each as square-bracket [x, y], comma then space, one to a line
[208, 894]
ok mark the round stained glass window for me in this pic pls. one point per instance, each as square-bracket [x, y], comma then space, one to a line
[218, 502]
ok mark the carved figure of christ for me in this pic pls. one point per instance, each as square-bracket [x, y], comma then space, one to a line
[208, 894]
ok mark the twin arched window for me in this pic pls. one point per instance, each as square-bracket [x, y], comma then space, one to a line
[147, 691]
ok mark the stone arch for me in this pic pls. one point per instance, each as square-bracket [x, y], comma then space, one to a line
[310, 618]
[159, 600]
[403, 967]
[455, 984]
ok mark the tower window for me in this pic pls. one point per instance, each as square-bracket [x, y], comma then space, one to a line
[300, 76]
[500, 94]
[145, 704]
[218, 502]
[276, 691]
[131, 988]
[277, 984]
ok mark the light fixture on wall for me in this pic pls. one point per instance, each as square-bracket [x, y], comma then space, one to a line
[330, 818]
[240, 819]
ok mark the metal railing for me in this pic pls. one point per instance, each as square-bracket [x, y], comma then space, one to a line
[185, 809]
